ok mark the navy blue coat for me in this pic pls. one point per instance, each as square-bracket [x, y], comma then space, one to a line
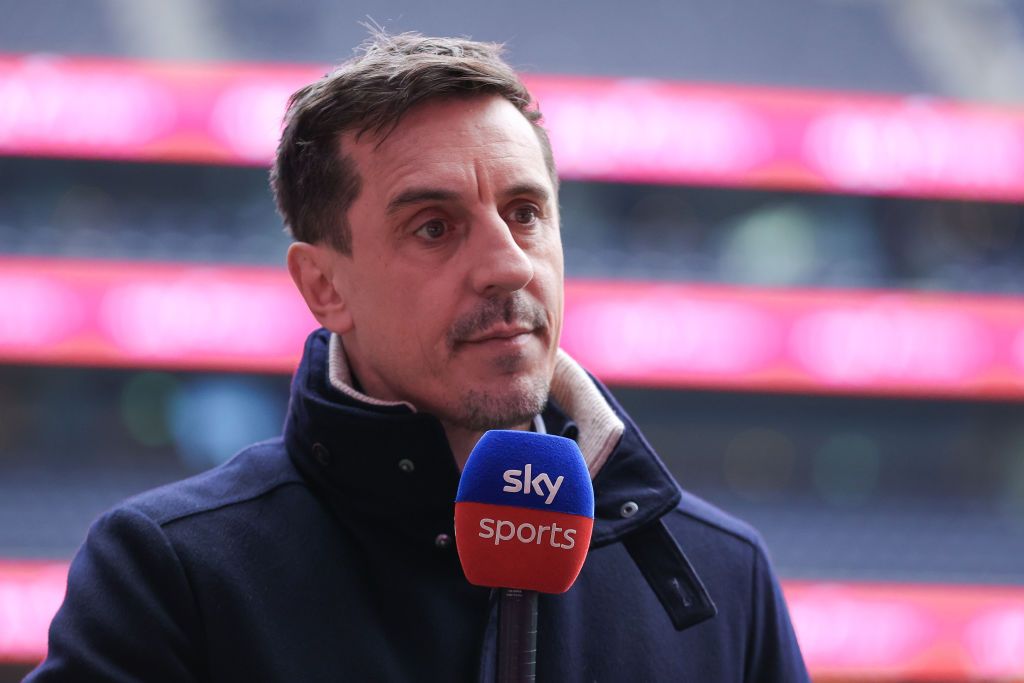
[316, 557]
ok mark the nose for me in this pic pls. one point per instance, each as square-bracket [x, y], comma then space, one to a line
[499, 264]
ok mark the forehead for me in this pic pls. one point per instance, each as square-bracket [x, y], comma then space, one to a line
[449, 141]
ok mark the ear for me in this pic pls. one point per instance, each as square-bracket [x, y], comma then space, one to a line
[314, 269]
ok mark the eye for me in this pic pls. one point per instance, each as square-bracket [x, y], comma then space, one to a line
[527, 214]
[432, 230]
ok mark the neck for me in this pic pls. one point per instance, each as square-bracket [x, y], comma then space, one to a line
[344, 378]
[462, 441]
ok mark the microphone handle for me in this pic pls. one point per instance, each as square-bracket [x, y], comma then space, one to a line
[517, 636]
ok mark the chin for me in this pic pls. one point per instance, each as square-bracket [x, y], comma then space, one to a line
[511, 402]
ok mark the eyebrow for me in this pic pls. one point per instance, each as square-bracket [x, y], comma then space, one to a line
[418, 195]
[527, 188]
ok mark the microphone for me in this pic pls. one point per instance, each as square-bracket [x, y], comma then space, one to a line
[524, 514]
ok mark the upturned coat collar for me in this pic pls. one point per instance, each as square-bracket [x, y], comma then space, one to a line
[389, 465]
[389, 462]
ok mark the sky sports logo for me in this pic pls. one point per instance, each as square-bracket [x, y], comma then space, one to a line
[502, 530]
[524, 481]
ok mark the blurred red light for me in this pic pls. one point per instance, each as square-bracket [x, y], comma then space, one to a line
[880, 631]
[652, 334]
[625, 130]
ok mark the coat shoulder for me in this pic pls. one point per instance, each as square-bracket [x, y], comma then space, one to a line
[699, 513]
[253, 473]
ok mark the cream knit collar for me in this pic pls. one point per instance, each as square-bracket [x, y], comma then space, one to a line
[599, 427]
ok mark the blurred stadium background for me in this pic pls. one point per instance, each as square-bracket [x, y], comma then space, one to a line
[794, 241]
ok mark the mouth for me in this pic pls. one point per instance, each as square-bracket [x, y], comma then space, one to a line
[506, 325]
[499, 334]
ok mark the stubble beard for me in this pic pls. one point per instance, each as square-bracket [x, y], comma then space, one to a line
[525, 393]
[481, 410]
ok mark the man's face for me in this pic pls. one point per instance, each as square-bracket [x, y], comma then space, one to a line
[454, 285]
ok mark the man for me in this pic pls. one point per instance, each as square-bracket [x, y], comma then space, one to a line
[422, 194]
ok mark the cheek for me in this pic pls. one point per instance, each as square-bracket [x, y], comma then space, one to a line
[421, 317]
[551, 259]
[549, 280]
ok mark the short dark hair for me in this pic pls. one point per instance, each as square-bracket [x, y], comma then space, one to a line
[315, 182]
